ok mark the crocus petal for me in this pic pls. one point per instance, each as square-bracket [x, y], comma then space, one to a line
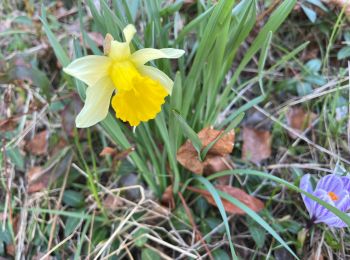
[305, 184]
[143, 56]
[96, 103]
[318, 210]
[346, 182]
[157, 75]
[343, 203]
[333, 221]
[331, 182]
[129, 32]
[89, 69]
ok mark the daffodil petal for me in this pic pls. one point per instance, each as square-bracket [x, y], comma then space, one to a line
[143, 56]
[157, 75]
[129, 32]
[141, 103]
[96, 103]
[119, 51]
[89, 69]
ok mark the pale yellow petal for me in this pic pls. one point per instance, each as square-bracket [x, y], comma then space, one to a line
[129, 32]
[143, 56]
[157, 75]
[89, 69]
[119, 51]
[96, 103]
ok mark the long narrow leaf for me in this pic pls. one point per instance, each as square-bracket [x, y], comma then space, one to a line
[221, 208]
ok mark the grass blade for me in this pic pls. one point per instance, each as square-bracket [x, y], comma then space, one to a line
[221, 208]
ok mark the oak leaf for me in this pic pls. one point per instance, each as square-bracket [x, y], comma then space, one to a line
[38, 145]
[299, 120]
[216, 158]
[256, 144]
[237, 193]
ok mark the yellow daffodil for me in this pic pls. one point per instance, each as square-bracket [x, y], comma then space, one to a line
[139, 90]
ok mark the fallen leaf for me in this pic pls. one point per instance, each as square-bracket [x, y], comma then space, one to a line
[34, 173]
[8, 124]
[108, 151]
[215, 159]
[341, 4]
[112, 202]
[256, 144]
[217, 164]
[115, 154]
[168, 198]
[11, 249]
[223, 146]
[36, 179]
[239, 194]
[39, 178]
[187, 156]
[38, 145]
[299, 119]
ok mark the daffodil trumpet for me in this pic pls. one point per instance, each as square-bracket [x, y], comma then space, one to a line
[138, 90]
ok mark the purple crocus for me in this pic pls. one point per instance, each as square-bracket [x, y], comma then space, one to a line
[334, 190]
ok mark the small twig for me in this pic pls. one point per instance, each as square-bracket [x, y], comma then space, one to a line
[124, 221]
[267, 11]
[57, 246]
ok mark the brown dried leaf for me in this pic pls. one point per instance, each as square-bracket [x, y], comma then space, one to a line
[11, 249]
[115, 154]
[239, 194]
[299, 119]
[38, 145]
[187, 156]
[168, 198]
[215, 160]
[34, 173]
[223, 146]
[341, 4]
[8, 124]
[39, 178]
[112, 202]
[217, 164]
[108, 151]
[256, 144]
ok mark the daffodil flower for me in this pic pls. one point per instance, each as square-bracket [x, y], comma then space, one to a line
[139, 90]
